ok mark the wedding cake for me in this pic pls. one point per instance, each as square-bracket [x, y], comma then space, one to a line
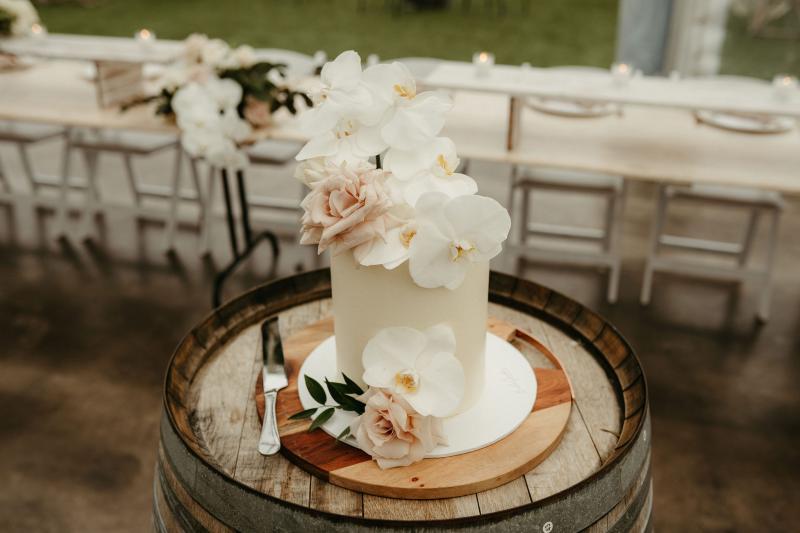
[410, 243]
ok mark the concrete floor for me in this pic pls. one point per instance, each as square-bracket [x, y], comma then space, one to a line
[87, 331]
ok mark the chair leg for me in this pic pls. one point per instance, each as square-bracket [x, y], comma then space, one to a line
[62, 210]
[4, 182]
[511, 204]
[524, 214]
[198, 189]
[749, 237]
[27, 166]
[614, 241]
[172, 217]
[655, 237]
[205, 233]
[131, 175]
[608, 223]
[92, 198]
[766, 286]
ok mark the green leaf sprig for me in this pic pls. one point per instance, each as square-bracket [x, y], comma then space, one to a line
[342, 396]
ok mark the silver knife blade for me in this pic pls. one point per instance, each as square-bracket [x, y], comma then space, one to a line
[274, 372]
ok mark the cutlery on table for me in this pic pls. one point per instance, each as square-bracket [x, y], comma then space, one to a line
[274, 375]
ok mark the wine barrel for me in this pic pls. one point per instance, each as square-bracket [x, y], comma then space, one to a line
[210, 476]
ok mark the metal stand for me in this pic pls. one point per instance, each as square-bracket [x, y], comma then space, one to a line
[250, 241]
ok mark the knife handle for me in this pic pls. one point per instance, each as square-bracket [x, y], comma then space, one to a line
[270, 441]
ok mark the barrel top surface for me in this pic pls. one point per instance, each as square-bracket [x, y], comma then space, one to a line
[211, 426]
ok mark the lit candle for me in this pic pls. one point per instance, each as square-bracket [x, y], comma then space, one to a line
[145, 37]
[784, 86]
[621, 73]
[483, 61]
[38, 31]
[524, 70]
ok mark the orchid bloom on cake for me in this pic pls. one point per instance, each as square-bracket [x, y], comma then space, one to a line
[420, 366]
[432, 168]
[379, 113]
[343, 95]
[451, 234]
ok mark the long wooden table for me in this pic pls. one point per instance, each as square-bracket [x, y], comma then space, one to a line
[646, 143]
[652, 91]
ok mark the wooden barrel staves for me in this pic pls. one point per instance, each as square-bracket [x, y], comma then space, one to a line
[210, 475]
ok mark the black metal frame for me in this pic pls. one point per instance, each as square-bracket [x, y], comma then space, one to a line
[250, 241]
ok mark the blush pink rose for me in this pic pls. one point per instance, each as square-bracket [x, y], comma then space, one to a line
[348, 208]
[257, 112]
[392, 432]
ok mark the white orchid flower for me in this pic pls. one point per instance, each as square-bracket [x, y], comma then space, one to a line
[419, 365]
[225, 92]
[392, 250]
[244, 56]
[193, 47]
[410, 119]
[343, 95]
[348, 141]
[432, 168]
[234, 127]
[199, 141]
[453, 233]
[214, 52]
[226, 154]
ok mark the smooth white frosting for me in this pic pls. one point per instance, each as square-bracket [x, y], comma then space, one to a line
[368, 299]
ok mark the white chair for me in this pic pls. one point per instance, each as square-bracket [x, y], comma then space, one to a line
[128, 145]
[609, 189]
[23, 135]
[756, 203]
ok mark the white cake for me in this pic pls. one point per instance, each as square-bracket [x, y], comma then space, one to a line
[410, 243]
[368, 299]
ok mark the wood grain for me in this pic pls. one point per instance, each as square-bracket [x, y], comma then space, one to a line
[586, 477]
[345, 466]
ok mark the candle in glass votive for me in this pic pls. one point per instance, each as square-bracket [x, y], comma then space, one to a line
[483, 61]
[37, 30]
[524, 70]
[145, 37]
[621, 73]
[784, 85]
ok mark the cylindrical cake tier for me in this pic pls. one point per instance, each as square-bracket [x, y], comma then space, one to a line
[368, 299]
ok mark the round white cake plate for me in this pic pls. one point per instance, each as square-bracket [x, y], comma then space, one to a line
[507, 400]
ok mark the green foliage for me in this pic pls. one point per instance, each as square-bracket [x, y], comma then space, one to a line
[6, 19]
[302, 415]
[550, 32]
[256, 83]
[342, 396]
[316, 390]
[323, 417]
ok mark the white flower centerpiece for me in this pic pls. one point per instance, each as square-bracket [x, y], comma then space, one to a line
[410, 246]
[218, 95]
[17, 17]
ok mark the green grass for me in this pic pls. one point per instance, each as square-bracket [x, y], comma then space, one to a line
[553, 32]
[746, 55]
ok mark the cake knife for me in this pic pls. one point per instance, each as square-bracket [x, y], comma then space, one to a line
[274, 375]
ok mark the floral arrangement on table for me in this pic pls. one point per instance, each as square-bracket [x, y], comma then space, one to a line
[219, 94]
[16, 17]
[410, 204]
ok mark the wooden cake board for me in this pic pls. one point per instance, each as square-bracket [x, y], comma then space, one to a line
[483, 469]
